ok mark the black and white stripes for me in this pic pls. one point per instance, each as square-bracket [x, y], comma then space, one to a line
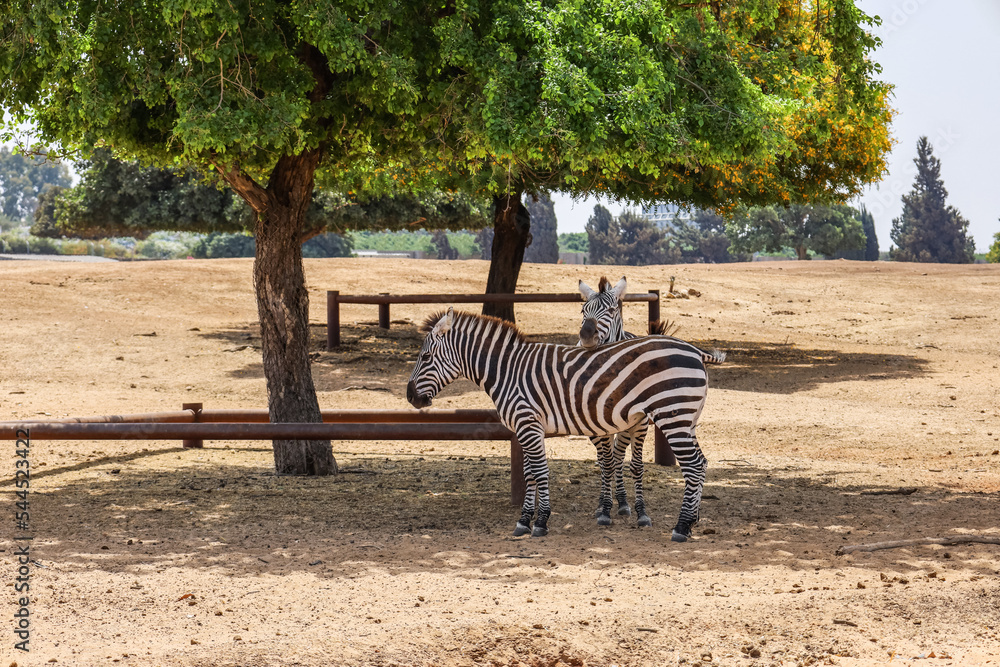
[603, 323]
[544, 389]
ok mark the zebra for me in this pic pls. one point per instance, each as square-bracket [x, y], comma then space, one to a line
[602, 323]
[541, 388]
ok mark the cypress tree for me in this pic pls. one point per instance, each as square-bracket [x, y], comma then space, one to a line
[544, 247]
[603, 237]
[871, 240]
[929, 230]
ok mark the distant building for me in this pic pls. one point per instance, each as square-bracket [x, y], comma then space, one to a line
[573, 257]
[411, 254]
[663, 215]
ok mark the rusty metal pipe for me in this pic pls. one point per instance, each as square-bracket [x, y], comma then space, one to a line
[571, 297]
[261, 416]
[332, 319]
[250, 431]
[180, 417]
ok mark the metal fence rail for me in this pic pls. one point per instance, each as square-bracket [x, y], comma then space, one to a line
[334, 298]
[193, 425]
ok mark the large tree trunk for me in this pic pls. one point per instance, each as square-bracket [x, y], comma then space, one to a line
[283, 307]
[511, 235]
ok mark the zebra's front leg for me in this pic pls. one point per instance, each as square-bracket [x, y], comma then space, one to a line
[605, 459]
[536, 474]
[523, 526]
[636, 436]
[693, 465]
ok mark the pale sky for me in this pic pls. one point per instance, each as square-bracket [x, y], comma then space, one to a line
[944, 59]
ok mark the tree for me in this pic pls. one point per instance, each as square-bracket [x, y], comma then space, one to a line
[870, 252]
[822, 229]
[574, 242]
[693, 102]
[485, 241]
[603, 237]
[216, 245]
[125, 198]
[703, 239]
[871, 240]
[544, 246]
[744, 103]
[22, 180]
[629, 239]
[444, 249]
[993, 255]
[929, 230]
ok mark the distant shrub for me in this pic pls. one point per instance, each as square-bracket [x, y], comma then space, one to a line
[993, 255]
[216, 246]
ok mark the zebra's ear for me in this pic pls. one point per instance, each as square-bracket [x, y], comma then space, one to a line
[585, 290]
[620, 287]
[444, 324]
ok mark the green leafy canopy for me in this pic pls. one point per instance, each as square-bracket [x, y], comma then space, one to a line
[762, 101]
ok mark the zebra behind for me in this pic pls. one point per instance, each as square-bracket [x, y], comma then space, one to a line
[542, 389]
[603, 323]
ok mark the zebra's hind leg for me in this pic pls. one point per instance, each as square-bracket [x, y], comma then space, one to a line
[605, 461]
[621, 444]
[693, 465]
[635, 436]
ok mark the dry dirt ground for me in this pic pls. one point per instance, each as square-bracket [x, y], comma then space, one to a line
[845, 382]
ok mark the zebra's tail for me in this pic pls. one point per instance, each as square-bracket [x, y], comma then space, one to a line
[713, 357]
[663, 328]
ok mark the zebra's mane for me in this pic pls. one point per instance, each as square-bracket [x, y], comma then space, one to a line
[604, 285]
[428, 324]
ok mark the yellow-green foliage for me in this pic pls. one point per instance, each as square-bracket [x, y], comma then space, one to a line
[993, 256]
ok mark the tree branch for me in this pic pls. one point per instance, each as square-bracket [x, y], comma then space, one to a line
[244, 186]
[958, 539]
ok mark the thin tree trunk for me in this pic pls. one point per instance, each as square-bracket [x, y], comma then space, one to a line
[802, 252]
[511, 234]
[283, 307]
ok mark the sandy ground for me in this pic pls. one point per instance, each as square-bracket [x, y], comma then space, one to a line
[846, 384]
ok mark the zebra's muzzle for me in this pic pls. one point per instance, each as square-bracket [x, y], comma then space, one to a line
[416, 400]
[588, 333]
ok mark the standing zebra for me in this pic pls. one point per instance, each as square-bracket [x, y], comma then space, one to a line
[602, 323]
[541, 388]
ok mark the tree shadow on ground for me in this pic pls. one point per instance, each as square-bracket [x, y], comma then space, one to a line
[785, 368]
[450, 513]
[382, 359]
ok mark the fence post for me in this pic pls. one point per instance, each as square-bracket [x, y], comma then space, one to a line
[383, 313]
[662, 454]
[517, 483]
[332, 319]
[196, 409]
[654, 310]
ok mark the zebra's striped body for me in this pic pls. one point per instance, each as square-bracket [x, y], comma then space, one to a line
[602, 323]
[541, 389]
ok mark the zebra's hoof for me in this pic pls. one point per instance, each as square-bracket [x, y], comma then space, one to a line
[682, 531]
[540, 531]
[644, 521]
[598, 512]
[520, 529]
[624, 510]
[604, 519]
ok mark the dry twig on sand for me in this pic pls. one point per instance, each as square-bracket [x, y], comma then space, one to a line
[958, 539]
